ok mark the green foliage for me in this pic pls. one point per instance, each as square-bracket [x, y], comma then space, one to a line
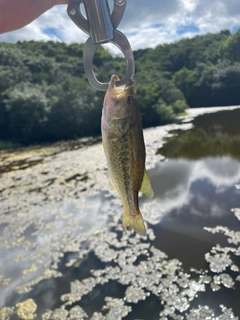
[186, 52]
[184, 79]
[165, 112]
[194, 66]
[230, 47]
[45, 96]
[179, 106]
[27, 107]
[75, 110]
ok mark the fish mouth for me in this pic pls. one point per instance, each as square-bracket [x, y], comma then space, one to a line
[117, 90]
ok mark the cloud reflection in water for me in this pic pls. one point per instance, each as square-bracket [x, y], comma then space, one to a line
[204, 188]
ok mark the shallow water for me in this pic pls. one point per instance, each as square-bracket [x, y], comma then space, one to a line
[73, 260]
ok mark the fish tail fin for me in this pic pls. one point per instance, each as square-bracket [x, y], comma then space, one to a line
[134, 222]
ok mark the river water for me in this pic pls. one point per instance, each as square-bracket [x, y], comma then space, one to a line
[196, 185]
[187, 267]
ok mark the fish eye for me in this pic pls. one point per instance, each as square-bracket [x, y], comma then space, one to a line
[130, 99]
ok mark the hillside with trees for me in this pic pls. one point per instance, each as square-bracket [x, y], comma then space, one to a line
[45, 96]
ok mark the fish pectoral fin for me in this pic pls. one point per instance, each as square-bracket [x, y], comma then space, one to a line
[134, 222]
[111, 186]
[146, 187]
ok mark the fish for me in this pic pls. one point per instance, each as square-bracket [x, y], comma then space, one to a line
[124, 147]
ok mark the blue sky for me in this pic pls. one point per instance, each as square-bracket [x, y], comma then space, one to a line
[146, 23]
[191, 28]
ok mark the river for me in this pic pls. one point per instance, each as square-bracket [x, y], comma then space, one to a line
[63, 252]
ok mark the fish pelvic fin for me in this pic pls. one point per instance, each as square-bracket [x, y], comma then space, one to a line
[134, 222]
[146, 187]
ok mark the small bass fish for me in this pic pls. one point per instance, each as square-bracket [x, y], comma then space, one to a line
[124, 147]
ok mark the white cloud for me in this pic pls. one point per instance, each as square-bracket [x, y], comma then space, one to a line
[146, 24]
[189, 5]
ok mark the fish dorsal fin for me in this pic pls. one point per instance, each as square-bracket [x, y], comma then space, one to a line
[146, 187]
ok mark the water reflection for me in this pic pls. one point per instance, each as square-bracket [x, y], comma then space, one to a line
[23, 261]
[206, 184]
[77, 255]
[190, 195]
[212, 135]
[195, 186]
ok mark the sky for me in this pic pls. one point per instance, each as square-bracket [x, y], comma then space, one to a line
[146, 23]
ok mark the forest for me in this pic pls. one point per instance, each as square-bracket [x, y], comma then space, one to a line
[45, 96]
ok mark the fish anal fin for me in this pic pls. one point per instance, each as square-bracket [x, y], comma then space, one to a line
[146, 187]
[134, 222]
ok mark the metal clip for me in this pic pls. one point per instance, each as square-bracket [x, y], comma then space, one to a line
[101, 26]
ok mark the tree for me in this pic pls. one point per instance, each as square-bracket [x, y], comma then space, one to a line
[27, 108]
[45, 95]
[230, 47]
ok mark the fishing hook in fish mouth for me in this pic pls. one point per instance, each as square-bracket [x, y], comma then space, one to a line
[101, 26]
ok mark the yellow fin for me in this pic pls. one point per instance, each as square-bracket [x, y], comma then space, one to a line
[111, 186]
[134, 222]
[146, 187]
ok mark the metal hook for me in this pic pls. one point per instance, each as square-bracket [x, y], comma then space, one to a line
[88, 53]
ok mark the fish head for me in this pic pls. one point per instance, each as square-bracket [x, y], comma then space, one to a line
[120, 104]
